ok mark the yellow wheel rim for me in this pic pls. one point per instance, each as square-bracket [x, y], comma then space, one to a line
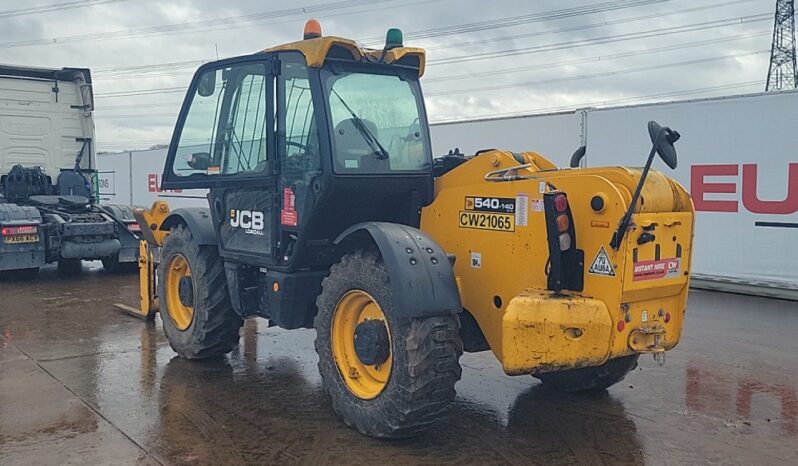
[180, 313]
[364, 381]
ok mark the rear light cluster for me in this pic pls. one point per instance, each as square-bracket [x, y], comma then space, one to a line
[566, 263]
[19, 230]
[563, 222]
[133, 226]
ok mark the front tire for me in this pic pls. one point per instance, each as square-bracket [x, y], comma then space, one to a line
[198, 318]
[590, 379]
[403, 380]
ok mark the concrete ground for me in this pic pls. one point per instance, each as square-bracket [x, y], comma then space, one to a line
[81, 383]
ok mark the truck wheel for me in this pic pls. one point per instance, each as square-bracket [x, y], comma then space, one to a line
[198, 319]
[590, 378]
[70, 266]
[387, 375]
[112, 265]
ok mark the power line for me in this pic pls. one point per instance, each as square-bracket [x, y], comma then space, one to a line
[517, 20]
[701, 26]
[595, 75]
[585, 27]
[54, 7]
[599, 58]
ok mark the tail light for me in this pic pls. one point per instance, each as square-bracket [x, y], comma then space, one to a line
[19, 230]
[566, 262]
[133, 226]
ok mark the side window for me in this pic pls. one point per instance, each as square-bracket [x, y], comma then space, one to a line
[298, 137]
[225, 131]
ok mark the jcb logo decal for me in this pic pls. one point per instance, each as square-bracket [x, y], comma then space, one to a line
[251, 221]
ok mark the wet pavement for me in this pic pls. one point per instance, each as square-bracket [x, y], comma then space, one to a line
[82, 383]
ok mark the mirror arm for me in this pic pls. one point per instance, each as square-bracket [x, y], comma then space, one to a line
[621, 232]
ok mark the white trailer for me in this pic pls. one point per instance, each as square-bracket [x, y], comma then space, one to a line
[738, 157]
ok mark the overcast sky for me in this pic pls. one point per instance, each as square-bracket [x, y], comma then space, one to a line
[485, 58]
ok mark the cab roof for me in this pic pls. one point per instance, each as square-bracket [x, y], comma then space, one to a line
[317, 50]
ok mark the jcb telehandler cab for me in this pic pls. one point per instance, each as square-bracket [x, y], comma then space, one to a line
[326, 210]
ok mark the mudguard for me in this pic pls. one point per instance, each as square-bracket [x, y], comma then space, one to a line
[197, 219]
[422, 278]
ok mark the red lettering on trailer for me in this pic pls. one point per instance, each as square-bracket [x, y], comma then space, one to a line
[154, 185]
[699, 187]
[752, 202]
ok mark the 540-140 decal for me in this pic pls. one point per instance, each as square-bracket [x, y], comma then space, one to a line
[488, 213]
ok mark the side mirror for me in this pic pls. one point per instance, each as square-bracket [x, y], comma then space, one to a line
[207, 84]
[577, 157]
[664, 144]
[200, 161]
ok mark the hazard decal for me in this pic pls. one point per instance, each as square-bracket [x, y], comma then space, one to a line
[601, 264]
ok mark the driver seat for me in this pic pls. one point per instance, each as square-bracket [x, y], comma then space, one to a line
[352, 150]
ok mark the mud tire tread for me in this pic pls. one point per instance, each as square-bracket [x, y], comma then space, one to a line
[426, 353]
[215, 329]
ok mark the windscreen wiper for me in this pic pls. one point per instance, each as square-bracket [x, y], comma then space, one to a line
[371, 140]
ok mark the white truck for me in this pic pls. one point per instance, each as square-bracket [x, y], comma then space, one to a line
[48, 191]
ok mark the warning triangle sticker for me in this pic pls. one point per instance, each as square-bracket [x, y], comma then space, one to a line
[601, 264]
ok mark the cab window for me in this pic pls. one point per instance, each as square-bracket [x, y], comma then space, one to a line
[298, 138]
[376, 122]
[225, 131]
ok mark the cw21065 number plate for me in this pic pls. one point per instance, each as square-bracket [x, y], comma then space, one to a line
[19, 239]
[487, 221]
[488, 213]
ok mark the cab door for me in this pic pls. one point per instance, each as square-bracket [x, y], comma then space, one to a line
[225, 141]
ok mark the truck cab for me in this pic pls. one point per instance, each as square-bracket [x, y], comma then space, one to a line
[49, 203]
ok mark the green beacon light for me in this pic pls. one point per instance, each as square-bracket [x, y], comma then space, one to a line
[393, 38]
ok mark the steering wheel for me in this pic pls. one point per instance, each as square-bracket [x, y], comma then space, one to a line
[303, 147]
[297, 163]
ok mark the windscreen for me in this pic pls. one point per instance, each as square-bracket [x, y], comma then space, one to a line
[376, 122]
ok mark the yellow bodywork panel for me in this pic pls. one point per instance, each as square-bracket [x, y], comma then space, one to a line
[554, 332]
[502, 259]
[316, 51]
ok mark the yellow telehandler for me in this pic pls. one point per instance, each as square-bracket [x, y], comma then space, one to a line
[326, 210]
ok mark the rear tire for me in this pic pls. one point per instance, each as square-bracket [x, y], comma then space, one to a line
[590, 379]
[424, 355]
[211, 326]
